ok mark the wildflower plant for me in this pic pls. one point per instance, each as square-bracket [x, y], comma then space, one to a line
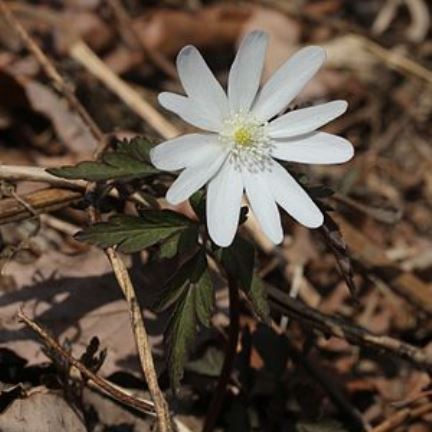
[245, 137]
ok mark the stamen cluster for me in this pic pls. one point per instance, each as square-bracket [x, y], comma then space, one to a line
[250, 147]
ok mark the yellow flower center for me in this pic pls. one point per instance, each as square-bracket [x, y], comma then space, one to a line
[250, 147]
[243, 136]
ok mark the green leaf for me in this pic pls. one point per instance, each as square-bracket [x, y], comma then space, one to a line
[257, 294]
[137, 147]
[195, 305]
[134, 233]
[181, 337]
[169, 247]
[179, 282]
[203, 298]
[130, 160]
[238, 260]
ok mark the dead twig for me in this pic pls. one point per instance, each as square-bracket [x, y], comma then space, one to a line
[42, 201]
[14, 173]
[64, 193]
[83, 54]
[141, 339]
[335, 326]
[100, 383]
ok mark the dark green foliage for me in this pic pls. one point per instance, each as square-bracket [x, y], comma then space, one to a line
[238, 260]
[134, 233]
[181, 242]
[130, 160]
[191, 290]
[169, 246]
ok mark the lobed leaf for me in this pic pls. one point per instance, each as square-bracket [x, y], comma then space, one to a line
[203, 298]
[130, 160]
[181, 242]
[192, 288]
[181, 337]
[134, 233]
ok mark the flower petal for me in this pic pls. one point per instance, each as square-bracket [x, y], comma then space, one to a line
[200, 84]
[189, 111]
[245, 74]
[292, 198]
[306, 120]
[224, 194]
[263, 205]
[315, 148]
[185, 151]
[193, 178]
[287, 82]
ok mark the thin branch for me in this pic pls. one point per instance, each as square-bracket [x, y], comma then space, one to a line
[141, 340]
[42, 201]
[100, 383]
[83, 54]
[37, 174]
[233, 336]
[335, 326]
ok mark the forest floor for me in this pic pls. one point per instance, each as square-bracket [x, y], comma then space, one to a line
[316, 369]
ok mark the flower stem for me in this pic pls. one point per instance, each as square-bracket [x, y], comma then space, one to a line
[233, 335]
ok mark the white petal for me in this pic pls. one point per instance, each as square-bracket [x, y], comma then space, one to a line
[189, 111]
[200, 84]
[292, 198]
[245, 74]
[315, 148]
[306, 120]
[287, 82]
[185, 151]
[224, 194]
[193, 178]
[263, 205]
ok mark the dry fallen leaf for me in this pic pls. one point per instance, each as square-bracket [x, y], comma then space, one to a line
[42, 411]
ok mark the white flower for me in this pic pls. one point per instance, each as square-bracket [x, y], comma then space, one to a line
[238, 151]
